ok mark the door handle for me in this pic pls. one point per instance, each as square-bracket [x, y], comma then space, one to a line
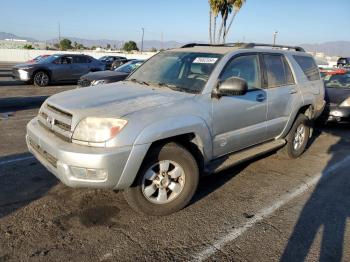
[293, 91]
[260, 97]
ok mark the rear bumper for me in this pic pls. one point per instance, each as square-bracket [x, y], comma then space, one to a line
[62, 158]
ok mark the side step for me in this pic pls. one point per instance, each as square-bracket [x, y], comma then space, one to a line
[236, 158]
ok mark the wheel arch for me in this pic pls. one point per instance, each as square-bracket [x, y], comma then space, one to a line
[49, 73]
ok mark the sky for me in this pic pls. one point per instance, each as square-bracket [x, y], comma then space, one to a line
[297, 21]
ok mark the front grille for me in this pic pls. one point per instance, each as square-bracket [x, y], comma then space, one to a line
[48, 157]
[83, 82]
[56, 121]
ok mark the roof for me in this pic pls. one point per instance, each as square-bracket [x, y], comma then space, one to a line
[207, 49]
[230, 47]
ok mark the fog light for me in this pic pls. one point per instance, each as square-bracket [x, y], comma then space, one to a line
[89, 173]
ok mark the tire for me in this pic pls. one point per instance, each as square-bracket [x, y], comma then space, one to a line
[41, 79]
[158, 194]
[298, 137]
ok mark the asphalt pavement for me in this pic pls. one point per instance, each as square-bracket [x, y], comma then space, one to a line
[269, 209]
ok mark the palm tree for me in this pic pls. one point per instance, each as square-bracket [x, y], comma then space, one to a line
[215, 6]
[236, 6]
[225, 8]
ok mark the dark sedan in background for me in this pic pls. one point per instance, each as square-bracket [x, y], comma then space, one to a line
[337, 84]
[57, 68]
[105, 77]
[112, 62]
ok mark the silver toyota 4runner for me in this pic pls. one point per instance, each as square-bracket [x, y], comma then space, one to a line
[185, 112]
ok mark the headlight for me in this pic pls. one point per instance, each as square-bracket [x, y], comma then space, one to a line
[24, 68]
[345, 103]
[98, 130]
[98, 82]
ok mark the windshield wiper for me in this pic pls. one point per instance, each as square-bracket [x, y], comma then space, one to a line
[176, 88]
[134, 80]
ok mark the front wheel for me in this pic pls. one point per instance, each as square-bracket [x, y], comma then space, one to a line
[298, 137]
[41, 79]
[166, 182]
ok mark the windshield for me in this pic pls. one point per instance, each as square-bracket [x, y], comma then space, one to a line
[337, 81]
[48, 59]
[181, 71]
[128, 67]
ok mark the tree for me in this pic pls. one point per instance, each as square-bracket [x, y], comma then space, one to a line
[65, 44]
[75, 45]
[26, 46]
[108, 46]
[153, 49]
[224, 8]
[130, 46]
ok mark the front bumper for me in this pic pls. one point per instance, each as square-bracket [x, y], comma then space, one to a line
[61, 157]
[21, 75]
[337, 114]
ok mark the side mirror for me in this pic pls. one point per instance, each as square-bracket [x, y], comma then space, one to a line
[233, 86]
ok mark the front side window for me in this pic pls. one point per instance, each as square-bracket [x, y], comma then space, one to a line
[277, 70]
[308, 66]
[246, 67]
[63, 60]
[181, 71]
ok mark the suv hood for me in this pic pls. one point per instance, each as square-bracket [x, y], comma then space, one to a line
[19, 66]
[113, 100]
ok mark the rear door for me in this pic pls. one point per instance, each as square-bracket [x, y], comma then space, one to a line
[240, 121]
[282, 92]
[81, 66]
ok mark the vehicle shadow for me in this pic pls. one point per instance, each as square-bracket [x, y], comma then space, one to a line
[6, 83]
[327, 209]
[18, 103]
[22, 182]
[210, 183]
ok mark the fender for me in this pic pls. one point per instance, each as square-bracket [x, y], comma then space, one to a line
[179, 125]
[163, 129]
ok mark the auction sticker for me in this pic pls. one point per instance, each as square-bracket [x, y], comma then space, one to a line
[205, 60]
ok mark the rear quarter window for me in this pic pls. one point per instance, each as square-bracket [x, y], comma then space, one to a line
[308, 66]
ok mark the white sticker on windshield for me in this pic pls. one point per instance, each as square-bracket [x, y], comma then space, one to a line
[205, 60]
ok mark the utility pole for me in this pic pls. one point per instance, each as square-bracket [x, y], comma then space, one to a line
[143, 34]
[59, 32]
[274, 37]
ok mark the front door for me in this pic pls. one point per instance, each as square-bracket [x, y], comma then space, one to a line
[240, 121]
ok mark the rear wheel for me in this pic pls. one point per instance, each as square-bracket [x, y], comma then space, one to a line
[41, 79]
[166, 182]
[298, 137]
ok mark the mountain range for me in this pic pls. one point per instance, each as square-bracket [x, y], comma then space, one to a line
[335, 48]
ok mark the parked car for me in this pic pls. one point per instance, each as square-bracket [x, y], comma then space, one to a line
[37, 58]
[57, 68]
[112, 60]
[117, 63]
[184, 112]
[337, 86]
[343, 62]
[106, 77]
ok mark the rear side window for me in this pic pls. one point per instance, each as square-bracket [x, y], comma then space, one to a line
[277, 70]
[309, 67]
[81, 59]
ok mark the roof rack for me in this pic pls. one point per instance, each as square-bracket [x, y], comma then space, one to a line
[247, 45]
